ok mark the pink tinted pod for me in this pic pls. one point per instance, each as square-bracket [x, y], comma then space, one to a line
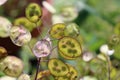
[42, 48]
[20, 35]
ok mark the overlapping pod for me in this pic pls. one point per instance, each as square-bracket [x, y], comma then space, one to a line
[33, 12]
[5, 26]
[72, 30]
[3, 52]
[57, 67]
[26, 23]
[69, 47]
[19, 35]
[24, 77]
[57, 30]
[11, 66]
[42, 48]
[71, 75]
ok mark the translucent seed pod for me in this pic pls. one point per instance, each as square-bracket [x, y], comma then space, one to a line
[24, 77]
[3, 52]
[33, 12]
[69, 13]
[3, 2]
[19, 35]
[11, 66]
[87, 56]
[114, 40]
[7, 78]
[42, 48]
[72, 29]
[5, 26]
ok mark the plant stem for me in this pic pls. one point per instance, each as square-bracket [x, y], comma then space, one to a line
[38, 64]
[108, 66]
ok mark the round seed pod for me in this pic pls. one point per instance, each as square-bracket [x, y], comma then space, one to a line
[26, 23]
[72, 72]
[69, 13]
[72, 29]
[57, 30]
[24, 77]
[71, 75]
[57, 67]
[5, 26]
[42, 48]
[19, 35]
[3, 2]
[33, 12]
[70, 47]
[11, 66]
[3, 52]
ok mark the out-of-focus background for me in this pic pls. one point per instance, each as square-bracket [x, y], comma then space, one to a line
[97, 21]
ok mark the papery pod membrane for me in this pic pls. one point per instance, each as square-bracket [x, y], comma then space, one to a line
[57, 67]
[11, 66]
[33, 12]
[42, 48]
[3, 2]
[24, 77]
[5, 26]
[20, 35]
[3, 52]
[42, 74]
[57, 30]
[70, 47]
[69, 13]
[72, 30]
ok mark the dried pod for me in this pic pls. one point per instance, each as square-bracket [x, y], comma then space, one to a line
[5, 26]
[19, 35]
[72, 29]
[3, 52]
[42, 48]
[24, 77]
[11, 66]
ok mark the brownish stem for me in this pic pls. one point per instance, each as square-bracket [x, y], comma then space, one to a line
[38, 64]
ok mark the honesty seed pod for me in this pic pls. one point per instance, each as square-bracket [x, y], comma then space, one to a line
[5, 26]
[72, 29]
[3, 52]
[3, 2]
[19, 35]
[57, 30]
[70, 47]
[71, 75]
[24, 77]
[43, 74]
[11, 66]
[69, 13]
[42, 48]
[33, 12]
[57, 67]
